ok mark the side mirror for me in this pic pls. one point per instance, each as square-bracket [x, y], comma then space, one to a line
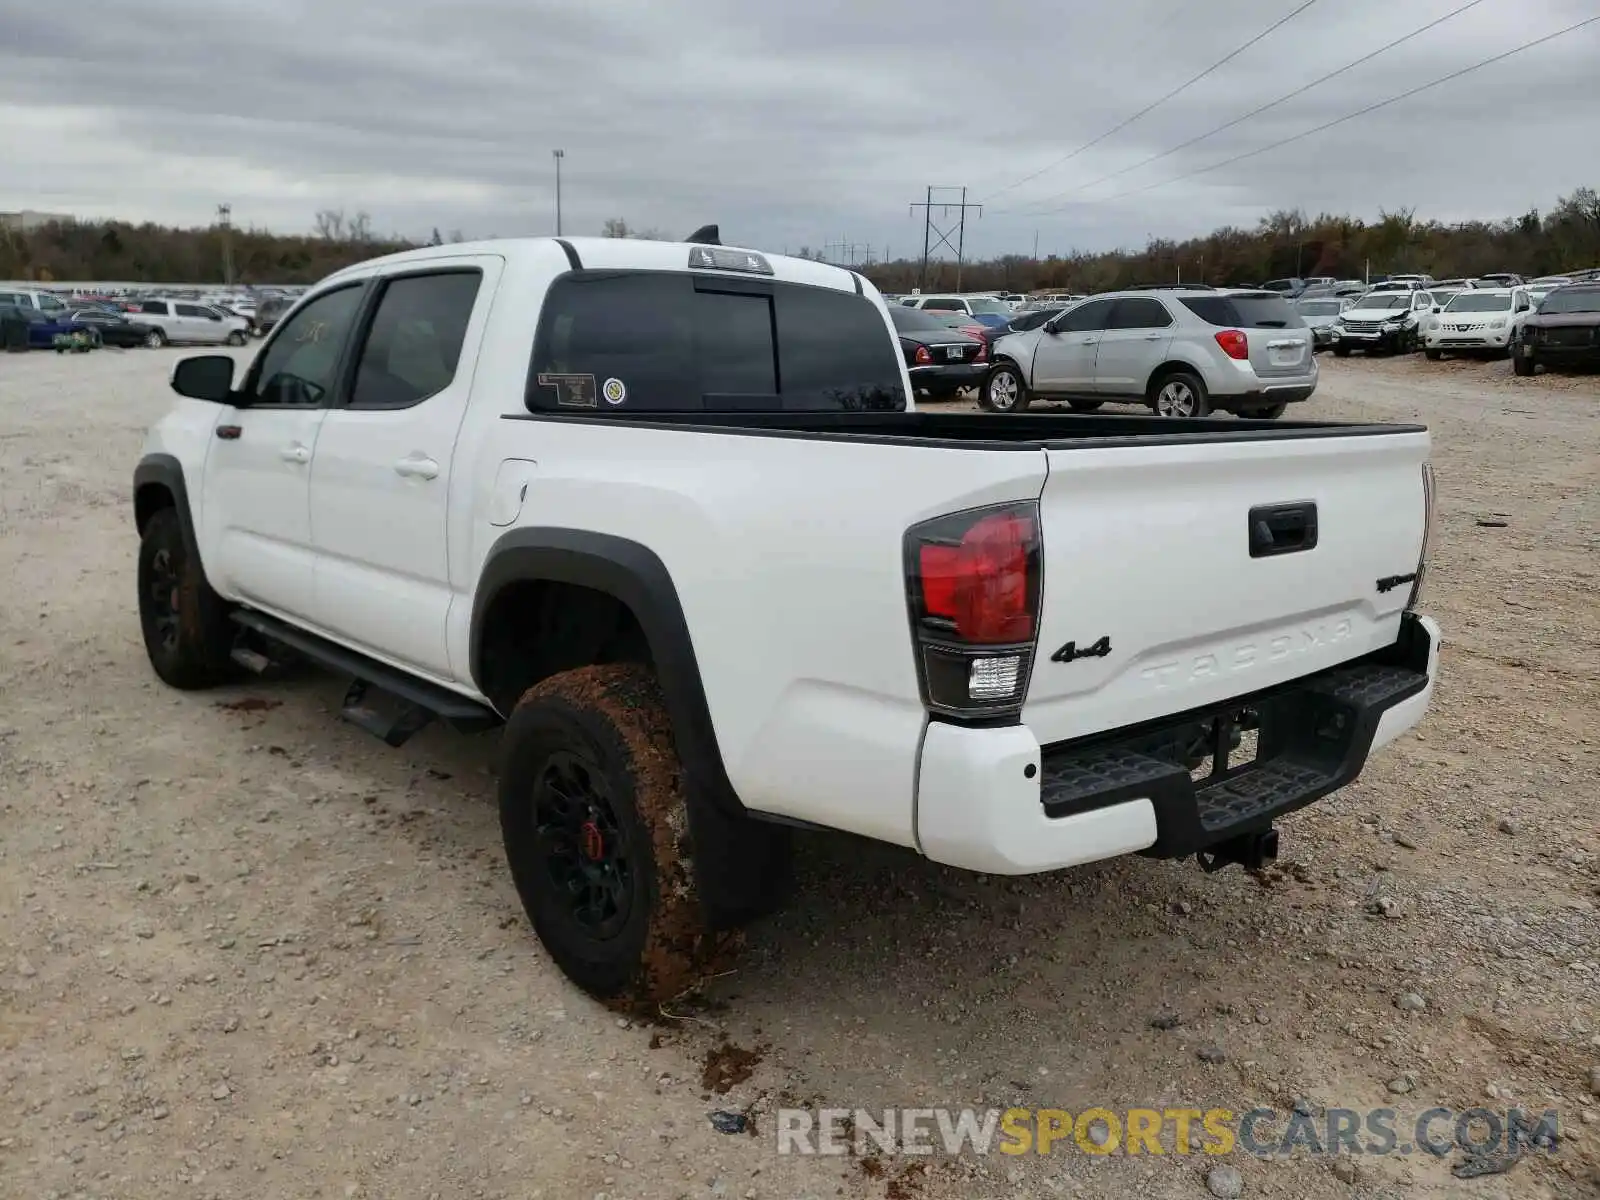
[204, 377]
[1436, 308]
[215, 316]
[1053, 326]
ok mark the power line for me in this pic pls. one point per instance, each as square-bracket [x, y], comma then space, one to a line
[1221, 62]
[1254, 112]
[1360, 112]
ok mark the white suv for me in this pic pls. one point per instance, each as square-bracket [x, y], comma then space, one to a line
[1182, 351]
[191, 321]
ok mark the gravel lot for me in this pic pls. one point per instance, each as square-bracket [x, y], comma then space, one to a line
[248, 951]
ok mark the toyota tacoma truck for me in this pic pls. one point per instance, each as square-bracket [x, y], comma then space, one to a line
[667, 513]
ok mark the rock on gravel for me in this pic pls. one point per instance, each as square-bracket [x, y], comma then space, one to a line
[1410, 1002]
[1225, 1182]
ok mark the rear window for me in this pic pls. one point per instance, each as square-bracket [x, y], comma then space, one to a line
[1255, 310]
[658, 341]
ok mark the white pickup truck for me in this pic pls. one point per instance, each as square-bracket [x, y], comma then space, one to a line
[666, 512]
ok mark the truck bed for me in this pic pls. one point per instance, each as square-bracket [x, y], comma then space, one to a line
[980, 430]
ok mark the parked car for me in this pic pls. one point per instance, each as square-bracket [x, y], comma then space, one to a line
[35, 299]
[1290, 288]
[1499, 279]
[43, 329]
[1319, 313]
[1184, 353]
[666, 512]
[1563, 332]
[269, 311]
[186, 321]
[986, 310]
[1386, 321]
[115, 329]
[1478, 319]
[940, 359]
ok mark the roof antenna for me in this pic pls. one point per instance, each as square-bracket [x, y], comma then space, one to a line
[706, 235]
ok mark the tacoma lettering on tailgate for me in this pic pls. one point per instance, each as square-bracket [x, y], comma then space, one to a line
[1244, 657]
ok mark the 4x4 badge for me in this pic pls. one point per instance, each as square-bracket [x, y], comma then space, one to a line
[1070, 651]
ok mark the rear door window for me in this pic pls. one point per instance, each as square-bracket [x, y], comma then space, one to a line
[156, 308]
[679, 342]
[1140, 313]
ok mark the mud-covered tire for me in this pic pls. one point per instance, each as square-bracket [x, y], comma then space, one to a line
[187, 633]
[595, 819]
[1341, 351]
[1522, 365]
[236, 338]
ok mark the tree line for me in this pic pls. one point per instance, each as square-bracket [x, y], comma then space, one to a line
[1289, 243]
[1284, 243]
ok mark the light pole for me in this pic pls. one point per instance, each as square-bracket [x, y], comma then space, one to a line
[558, 155]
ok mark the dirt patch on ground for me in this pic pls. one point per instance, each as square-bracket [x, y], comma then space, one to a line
[275, 957]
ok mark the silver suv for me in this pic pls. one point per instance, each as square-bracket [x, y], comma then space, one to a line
[1185, 352]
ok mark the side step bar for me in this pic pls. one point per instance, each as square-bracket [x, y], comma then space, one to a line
[416, 701]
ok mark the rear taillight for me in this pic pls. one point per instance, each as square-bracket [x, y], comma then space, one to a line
[923, 356]
[973, 581]
[1234, 344]
[1427, 535]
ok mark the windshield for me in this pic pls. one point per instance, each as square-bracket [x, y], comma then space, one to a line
[1572, 300]
[984, 304]
[1399, 300]
[1319, 308]
[912, 319]
[1479, 302]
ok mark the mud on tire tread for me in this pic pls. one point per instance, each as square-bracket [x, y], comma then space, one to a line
[616, 715]
[201, 658]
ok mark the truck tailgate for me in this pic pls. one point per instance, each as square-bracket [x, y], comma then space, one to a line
[1161, 550]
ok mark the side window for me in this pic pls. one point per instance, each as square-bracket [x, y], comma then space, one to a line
[1144, 313]
[414, 343]
[156, 308]
[297, 368]
[191, 310]
[1092, 314]
[944, 304]
[51, 304]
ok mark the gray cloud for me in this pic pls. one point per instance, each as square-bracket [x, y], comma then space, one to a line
[789, 122]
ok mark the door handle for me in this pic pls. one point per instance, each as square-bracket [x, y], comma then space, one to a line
[295, 454]
[1153, 337]
[417, 466]
[1091, 341]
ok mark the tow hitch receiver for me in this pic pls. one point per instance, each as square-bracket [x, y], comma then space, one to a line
[1252, 851]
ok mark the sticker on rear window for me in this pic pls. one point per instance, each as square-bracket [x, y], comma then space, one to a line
[572, 391]
[615, 391]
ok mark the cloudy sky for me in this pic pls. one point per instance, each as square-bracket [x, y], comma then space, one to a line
[789, 122]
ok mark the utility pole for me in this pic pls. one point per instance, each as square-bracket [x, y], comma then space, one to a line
[1035, 245]
[558, 155]
[225, 215]
[930, 229]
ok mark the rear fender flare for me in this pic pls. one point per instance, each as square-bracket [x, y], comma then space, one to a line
[636, 576]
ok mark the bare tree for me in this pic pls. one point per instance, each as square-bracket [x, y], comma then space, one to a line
[359, 228]
[615, 227]
[330, 224]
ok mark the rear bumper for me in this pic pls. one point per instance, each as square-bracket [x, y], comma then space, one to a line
[949, 375]
[993, 800]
